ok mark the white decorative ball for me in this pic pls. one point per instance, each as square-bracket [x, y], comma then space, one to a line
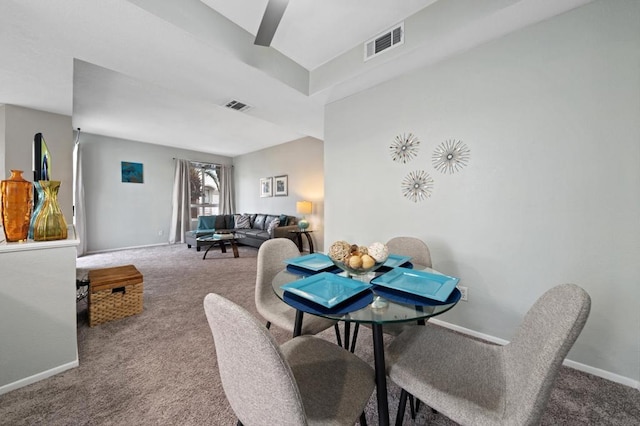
[379, 251]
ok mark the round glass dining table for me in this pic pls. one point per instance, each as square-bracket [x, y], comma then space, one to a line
[376, 306]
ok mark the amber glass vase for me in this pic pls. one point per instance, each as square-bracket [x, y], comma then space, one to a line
[17, 201]
[50, 223]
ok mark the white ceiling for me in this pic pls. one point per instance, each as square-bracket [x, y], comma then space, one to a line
[313, 32]
[159, 71]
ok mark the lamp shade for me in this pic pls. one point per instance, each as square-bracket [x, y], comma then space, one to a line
[303, 207]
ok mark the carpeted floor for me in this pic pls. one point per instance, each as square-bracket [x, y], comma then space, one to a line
[159, 367]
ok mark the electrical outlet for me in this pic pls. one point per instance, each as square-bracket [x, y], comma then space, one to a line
[161, 232]
[463, 292]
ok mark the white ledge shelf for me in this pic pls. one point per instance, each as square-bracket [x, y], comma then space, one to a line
[72, 240]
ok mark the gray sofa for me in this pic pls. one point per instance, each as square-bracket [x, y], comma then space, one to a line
[253, 233]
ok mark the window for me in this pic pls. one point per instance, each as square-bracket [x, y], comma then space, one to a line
[205, 189]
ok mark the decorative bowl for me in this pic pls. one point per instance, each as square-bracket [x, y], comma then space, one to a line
[356, 259]
[356, 271]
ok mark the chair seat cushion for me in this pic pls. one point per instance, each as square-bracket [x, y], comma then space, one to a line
[329, 399]
[283, 316]
[453, 372]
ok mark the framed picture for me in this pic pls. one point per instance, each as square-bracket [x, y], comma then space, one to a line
[132, 172]
[281, 186]
[266, 189]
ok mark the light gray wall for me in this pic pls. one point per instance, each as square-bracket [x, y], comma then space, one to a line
[21, 125]
[121, 215]
[302, 161]
[552, 191]
[2, 142]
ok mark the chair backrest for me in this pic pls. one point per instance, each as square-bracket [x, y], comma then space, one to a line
[271, 256]
[256, 378]
[535, 354]
[410, 246]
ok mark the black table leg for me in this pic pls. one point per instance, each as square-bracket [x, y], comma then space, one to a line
[347, 332]
[297, 327]
[354, 338]
[381, 375]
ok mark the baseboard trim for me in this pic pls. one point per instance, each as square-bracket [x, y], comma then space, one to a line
[37, 377]
[127, 248]
[567, 362]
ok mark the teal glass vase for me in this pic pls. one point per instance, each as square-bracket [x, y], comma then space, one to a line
[36, 211]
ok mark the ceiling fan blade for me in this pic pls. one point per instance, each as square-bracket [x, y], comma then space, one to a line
[272, 16]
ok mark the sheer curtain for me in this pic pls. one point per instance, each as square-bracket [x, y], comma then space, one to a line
[227, 198]
[78, 198]
[181, 203]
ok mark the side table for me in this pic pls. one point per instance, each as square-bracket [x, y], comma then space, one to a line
[299, 234]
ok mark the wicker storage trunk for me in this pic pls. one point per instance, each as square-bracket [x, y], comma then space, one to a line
[114, 293]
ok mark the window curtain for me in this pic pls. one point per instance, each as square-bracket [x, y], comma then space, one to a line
[181, 203]
[227, 198]
[78, 198]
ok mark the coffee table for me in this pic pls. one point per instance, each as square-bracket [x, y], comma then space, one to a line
[193, 238]
[221, 239]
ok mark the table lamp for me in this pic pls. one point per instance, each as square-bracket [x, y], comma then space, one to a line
[303, 207]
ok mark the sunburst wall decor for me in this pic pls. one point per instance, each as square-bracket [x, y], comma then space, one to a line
[451, 156]
[404, 148]
[417, 186]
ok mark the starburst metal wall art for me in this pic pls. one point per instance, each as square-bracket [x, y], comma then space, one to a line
[450, 156]
[404, 148]
[417, 186]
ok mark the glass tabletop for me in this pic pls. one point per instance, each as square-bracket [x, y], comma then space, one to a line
[373, 305]
[221, 236]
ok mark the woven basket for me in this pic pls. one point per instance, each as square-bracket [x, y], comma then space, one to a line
[114, 293]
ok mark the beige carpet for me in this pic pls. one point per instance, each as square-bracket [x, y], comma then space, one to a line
[159, 367]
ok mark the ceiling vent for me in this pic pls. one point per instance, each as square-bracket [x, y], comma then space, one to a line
[385, 41]
[237, 105]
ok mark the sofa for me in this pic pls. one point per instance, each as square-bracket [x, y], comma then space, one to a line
[252, 229]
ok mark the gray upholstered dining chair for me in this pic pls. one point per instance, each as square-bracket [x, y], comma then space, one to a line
[306, 381]
[477, 383]
[271, 255]
[411, 246]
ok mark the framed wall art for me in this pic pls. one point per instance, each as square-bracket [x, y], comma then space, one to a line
[132, 172]
[281, 186]
[266, 189]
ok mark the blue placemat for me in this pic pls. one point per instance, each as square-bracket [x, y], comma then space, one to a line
[308, 272]
[412, 299]
[384, 269]
[354, 303]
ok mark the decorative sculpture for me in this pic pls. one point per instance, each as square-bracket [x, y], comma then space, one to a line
[450, 156]
[417, 186]
[404, 148]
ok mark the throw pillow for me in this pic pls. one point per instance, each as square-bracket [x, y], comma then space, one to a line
[207, 222]
[242, 221]
[284, 219]
[273, 225]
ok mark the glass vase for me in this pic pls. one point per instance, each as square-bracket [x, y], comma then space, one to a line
[38, 207]
[50, 224]
[17, 200]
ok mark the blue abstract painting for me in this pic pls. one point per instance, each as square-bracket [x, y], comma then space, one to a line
[132, 172]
